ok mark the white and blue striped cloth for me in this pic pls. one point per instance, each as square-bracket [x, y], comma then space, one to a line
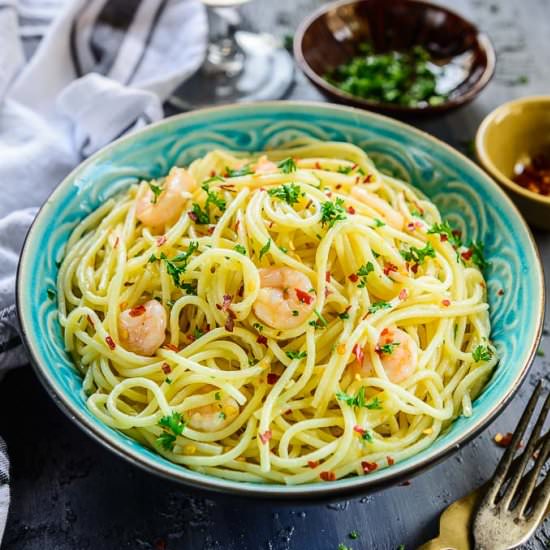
[74, 75]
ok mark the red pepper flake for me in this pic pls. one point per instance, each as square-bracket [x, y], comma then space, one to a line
[266, 436]
[161, 240]
[110, 342]
[351, 210]
[261, 339]
[359, 430]
[390, 461]
[137, 311]
[353, 277]
[414, 268]
[327, 476]
[328, 194]
[384, 332]
[327, 276]
[388, 268]
[443, 237]
[193, 216]
[288, 411]
[468, 254]
[359, 353]
[272, 378]
[403, 294]
[303, 297]
[339, 186]
[411, 226]
[227, 299]
[368, 178]
[210, 230]
[318, 165]
[238, 222]
[212, 173]
[500, 292]
[171, 347]
[190, 338]
[327, 292]
[368, 466]
[116, 242]
[166, 369]
[446, 302]
[230, 323]
[313, 464]
[310, 202]
[503, 440]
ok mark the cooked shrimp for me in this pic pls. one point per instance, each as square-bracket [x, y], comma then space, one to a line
[283, 301]
[265, 166]
[390, 216]
[399, 358]
[168, 205]
[142, 329]
[215, 416]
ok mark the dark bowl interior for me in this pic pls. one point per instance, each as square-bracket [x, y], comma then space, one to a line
[332, 36]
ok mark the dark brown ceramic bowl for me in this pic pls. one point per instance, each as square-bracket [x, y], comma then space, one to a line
[332, 35]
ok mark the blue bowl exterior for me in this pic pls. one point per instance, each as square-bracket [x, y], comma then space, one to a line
[463, 193]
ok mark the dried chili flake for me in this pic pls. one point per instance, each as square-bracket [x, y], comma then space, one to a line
[446, 302]
[227, 299]
[161, 240]
[390, 461]
[230, 324]
[359, 353]
[110, 342]
[411, 226]
[313, 464]
[193, 216]
[388, 268]
[327, 476]
[414, 268]
[353, 277]
[265, 437]
[166, 369]
[210, 230]
[272, 378]
[261, 340]
[303, 297]
[368, 178]
[137, 311]
[212, 173]
[368, 466]
[443, 237]
[351, 210]
[171, 347]
[327, 292]
[359, 430]
[318, 165]
[327, 276]
[467, 254]
[403, 294]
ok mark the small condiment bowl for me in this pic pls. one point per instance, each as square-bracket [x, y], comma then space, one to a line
[332, 36]
[511, 134]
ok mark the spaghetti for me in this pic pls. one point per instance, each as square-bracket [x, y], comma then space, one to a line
[286, 318]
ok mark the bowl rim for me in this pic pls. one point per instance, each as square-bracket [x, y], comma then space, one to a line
[484, 157]
[482, 39]
[297, 493]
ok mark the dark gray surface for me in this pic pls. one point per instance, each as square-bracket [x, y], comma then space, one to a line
[69, 493]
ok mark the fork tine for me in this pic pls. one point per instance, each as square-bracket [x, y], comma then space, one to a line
[526, 456]
[532, 479]
[504, 464]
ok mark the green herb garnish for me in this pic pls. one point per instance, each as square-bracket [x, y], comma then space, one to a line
[363, 272]
[173, 425]
[418, 255]
[241, 249]
[236, 172]
[178, 264]
[387, 348]
[344, 315]
[482, 353]
[265, 248]
[477, 255]
[156, 189]
[296, 354]
[332, 212]
[377, 306]
[378, 223]
[451, 234]
[287, 166]
[288, 192]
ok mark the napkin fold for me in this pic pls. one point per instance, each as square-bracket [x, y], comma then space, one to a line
[74, 75]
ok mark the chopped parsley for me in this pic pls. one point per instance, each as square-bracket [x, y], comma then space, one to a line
[387, 348]
[197, 333]
[344, 315]
[265, 248]
[378, 223]
[287, 166]
[444, 228]
[173, 425]
[345, 169]
[288, 192]
[156, 189]
[236, 172]
[283, 249]
[321, 321]
[332, 212]
[200, 216]
[477, 255]
[374, 405]
[418, 255]
[366, 436]
[482, 353]
[222, 415]
[213, 198]
[190, 288]
[296, 354]
[258, 327]
[212, 180]
[178, 264]
[217, 396]
[357, 400]
[377, 306]
[152, 258]
[241, 249]
[363, 272]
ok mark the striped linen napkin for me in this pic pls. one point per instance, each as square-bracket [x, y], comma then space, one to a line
[74, 75]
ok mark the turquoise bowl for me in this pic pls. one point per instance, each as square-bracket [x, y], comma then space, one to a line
[463, 193]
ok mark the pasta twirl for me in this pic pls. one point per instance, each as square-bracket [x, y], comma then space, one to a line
[281, 318]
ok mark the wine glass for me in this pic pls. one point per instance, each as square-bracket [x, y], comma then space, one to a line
[239, 65]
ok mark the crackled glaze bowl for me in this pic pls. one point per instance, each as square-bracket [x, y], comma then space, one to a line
[463, 193]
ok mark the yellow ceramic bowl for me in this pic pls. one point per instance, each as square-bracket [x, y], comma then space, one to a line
[512, 133]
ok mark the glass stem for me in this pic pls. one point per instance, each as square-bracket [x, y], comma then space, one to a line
[224, 57]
